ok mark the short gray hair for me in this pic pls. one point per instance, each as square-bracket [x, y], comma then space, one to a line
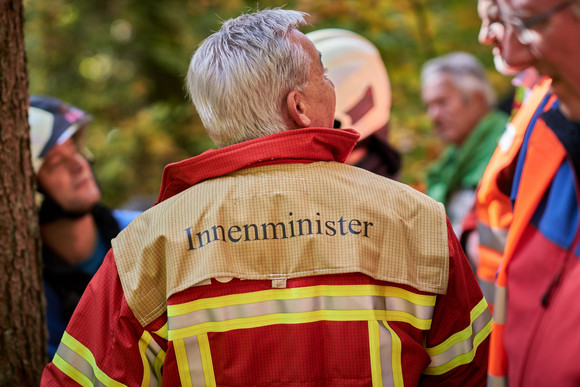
[464, 70]
[239, 77]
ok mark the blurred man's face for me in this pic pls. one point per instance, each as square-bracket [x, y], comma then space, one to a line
[491, 34]
[553, 43]
[454, 115]
[67, 178]
[319, 91]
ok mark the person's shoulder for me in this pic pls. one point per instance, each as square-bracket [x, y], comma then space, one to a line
[381, 181]
[384, 191]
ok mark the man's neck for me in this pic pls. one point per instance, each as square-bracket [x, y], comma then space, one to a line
[74, 240]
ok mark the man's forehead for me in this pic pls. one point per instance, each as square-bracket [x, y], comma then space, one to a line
[438, 84]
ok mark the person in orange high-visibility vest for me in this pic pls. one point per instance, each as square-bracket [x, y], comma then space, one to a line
[493, 207]
[485, 228]
[535, 336]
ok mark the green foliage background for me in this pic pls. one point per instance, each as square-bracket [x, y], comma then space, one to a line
[125, 61]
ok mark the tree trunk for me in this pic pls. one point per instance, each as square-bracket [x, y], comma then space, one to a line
[23, 334]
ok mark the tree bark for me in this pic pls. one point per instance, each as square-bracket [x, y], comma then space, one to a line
[23, 333]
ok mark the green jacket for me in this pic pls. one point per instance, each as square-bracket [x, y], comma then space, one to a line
[462, 167]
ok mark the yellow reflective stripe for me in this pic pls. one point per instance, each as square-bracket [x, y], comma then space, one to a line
[300, 305]
[158, 364]
[182, 363]
[207, 363]
[297, 318]
[143, 344]
[396, 357]
[462, 335]
[82, 351]
[71, 372]
[152, 357]
[162, 332]
[302, 292]
[461, 347]
[385, 355]
[375, 353]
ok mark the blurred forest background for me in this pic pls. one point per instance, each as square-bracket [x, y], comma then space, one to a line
[125, 62]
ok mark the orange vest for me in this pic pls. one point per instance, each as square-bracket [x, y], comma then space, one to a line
[492, 205]
[543, 158]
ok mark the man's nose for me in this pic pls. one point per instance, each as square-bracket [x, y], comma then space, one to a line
[485, 34]
[76, 162]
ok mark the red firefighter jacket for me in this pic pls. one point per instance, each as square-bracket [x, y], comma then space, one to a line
[271, 263]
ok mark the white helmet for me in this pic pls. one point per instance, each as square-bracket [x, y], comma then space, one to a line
[53, 122]
[355, 66]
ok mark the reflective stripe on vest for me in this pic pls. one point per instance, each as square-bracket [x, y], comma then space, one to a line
[153, 357]
[189, 323]
[385, 352]
[461, 347]
[194, 361]
[196, 369]
[491, 246]
[488, 290]
[77, 362]
[300, 305]
[492, 237]
[493, 381]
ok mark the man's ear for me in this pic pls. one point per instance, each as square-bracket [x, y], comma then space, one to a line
[297, 109]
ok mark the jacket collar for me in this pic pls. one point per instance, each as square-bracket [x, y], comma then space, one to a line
[290, 147]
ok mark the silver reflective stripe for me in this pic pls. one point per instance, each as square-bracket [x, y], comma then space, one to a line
[386, 341]
[493, 238]
[496, 381]
[78, 362]
[385, 355]
[152, 353]
[499, 306]
[488, 290]
[300, 305]
[194, 360]
[464, 346]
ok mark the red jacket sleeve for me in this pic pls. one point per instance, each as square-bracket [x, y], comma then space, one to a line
[103, 341]
[458, 341]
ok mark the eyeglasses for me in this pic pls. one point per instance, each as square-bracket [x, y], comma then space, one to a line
[522, 27]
